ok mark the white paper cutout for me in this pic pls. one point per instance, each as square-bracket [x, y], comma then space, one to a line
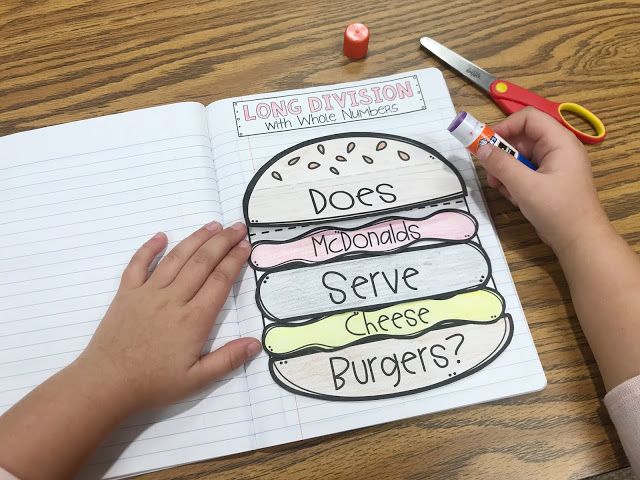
[399, 303]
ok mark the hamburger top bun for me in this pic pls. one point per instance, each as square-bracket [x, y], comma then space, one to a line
[346, 176]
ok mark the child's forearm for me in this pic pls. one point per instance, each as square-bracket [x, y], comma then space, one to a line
[603, 273]
[51, 432]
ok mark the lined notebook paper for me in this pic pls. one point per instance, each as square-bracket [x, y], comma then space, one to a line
[78, 199]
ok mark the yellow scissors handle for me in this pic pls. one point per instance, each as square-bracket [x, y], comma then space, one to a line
[588, 117]
[511, 98]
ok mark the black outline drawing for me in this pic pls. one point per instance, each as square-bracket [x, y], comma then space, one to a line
[284, 153]
[364, 251]
[486, 361]
[440, 325]
[326, 223]
[261, 280]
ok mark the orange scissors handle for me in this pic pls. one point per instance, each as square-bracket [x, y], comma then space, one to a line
[511, 98]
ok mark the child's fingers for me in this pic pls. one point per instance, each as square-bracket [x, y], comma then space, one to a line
[203, 262]
[492, 181]
[170, 265]
[534, 133]
[504, 167]
[215, 290]
[224, 360]
[137, 270]
[530, 122]
[505, 193]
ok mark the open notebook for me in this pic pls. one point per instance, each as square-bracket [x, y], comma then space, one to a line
[78, 199]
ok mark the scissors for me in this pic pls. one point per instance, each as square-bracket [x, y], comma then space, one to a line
[511, 97]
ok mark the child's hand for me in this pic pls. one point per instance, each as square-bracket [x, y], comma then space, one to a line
[150, 341]
[146, 351]
[559, 199]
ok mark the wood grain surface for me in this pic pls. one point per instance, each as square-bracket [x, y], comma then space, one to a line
[63, 60]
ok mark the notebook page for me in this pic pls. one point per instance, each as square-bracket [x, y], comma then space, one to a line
[76, 201]
[282, 416]
[272, 412]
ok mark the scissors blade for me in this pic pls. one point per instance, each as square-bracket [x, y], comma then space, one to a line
[472, 72]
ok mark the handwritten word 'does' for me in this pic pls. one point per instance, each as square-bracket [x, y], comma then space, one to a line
[343, 200]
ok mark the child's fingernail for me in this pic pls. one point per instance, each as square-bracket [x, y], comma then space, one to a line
[157, 235]
[238, 226]
[244, 244]
[483, 152]
[253, 348]
[213, 227]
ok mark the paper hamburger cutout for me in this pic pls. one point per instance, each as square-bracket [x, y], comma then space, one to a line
[370, 276]
[423, 272]
[401, 366]
[328, 179]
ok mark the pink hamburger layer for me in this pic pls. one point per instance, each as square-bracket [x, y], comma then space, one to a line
[380, 237]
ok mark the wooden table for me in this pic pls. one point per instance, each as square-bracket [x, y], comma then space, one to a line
[65, 60]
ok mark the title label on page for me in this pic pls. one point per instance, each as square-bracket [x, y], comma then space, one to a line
[329, 106]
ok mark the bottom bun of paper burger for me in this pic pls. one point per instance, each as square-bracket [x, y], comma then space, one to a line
[395, 366]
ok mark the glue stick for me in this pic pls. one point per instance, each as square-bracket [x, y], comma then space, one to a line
[473, 134]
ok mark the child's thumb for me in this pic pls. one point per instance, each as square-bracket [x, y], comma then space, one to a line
[220, 362]
[503, 166]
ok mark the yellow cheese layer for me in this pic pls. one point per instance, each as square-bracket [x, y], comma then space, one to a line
[403, 319]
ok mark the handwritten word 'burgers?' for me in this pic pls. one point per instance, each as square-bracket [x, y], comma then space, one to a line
[397, 366]
[336, 100]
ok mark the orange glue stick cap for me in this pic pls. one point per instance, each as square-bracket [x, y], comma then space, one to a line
[356, 41]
